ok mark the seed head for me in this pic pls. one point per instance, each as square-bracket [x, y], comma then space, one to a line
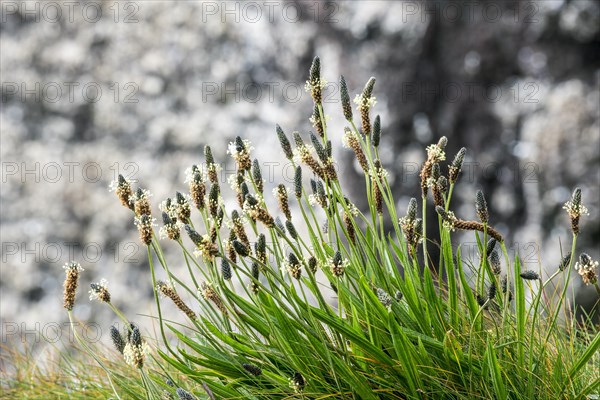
[225, 269]
[284, 142]
[586, 267]
[240, 248]
[411, 211]
[291, 229]
[490, 246]
[376, 131]
[491, 292]
[255, 270]
[293, 266]
[252, 369]
[345, 97]
[280, 225]
[231, 254]
[456, 165]
[240, 151]
[337, 265]
[195, 237]
[117, 339]
[349, 227]
[184, 395]
[312, 264]
[316, 121]
[195, 179]
[209, 294]
[504, 287]
[364, 102]
[350, 140]
[435, 154]
[298, 182]
[257, 176]
[564, 262]
[384, 297]
[298, 382]
[495, 263]
[170, 228]
[211, 167]
[238, 227]
[315, 84]
[99, 291]
[575, 210]
[213, 200]
[481, 207]
[136, 349]
[530, 275]
[255, 209]
[260, 248]
[122, 188]
[145, 224]
[319, 149]
[72, 270]
[141, 202]
[169, 292]
[280, 193]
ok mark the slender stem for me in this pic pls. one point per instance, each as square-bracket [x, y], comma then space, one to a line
[425, 256]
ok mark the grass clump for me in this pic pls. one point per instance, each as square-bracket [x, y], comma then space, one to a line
[305, 296]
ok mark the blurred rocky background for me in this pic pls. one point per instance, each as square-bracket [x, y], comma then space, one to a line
[93, 89]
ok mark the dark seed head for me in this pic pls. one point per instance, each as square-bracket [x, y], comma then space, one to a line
[411, 210]
[337, 258]
[298, 139]
[495, 262]
[184, 395]
[313, 186]
[376, 131]
[315, 70]
[136, 337]
[225, 269]
[194, 236]
[319, 149]
[564, 262]
[285, 143]
[435, 171]
[117, 339]
[481, 207]
[280, 224]
[208, 155]
[368, 90]
[252, 369]
[298, 381]
[257, 175]
[490, 246]
[312, 264]
[240, 248]
[291, 229]
[298, 182]
[345, 97]
[530, 275]
[491, 293]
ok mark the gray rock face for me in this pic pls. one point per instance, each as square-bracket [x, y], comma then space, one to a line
[139, 88]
